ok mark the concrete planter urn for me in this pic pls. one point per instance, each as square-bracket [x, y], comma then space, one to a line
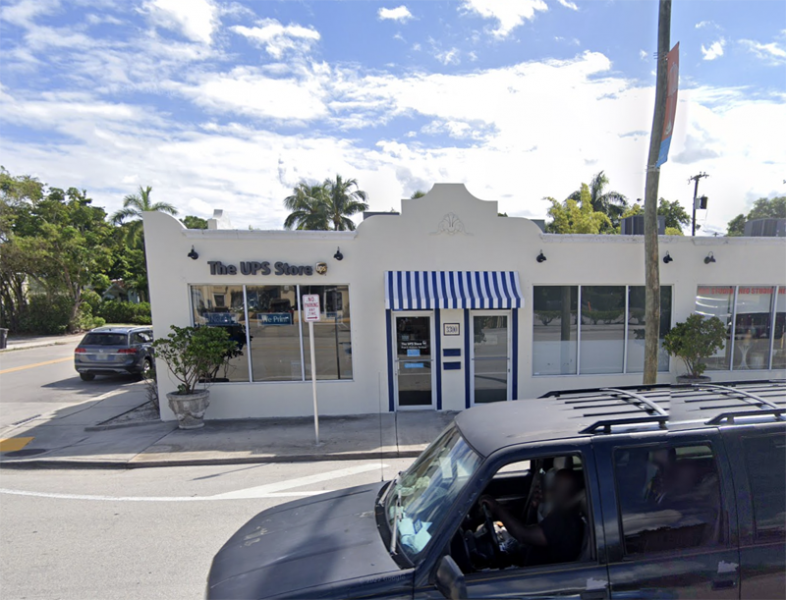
[189, 408]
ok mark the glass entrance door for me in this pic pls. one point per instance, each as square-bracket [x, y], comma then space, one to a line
[414, 373]
[490, 357]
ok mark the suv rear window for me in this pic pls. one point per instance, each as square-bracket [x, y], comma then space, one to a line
[105, 339]
[765, 459]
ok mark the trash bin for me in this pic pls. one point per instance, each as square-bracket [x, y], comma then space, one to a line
[3, 338]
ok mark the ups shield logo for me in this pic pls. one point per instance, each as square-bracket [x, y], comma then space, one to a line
[320, 268]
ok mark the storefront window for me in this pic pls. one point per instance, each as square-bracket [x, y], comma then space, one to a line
[222, 306]
[779, 331]
[602, 329]
[717, 301]
[272, 318]
[635, 359]
[275, 333]
[332, 334]
[753, 328]
[555, 327]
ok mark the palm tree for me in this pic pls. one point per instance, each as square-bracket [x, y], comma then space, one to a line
[308, 207]
[612, 204]
[343, 201]
[133, 207]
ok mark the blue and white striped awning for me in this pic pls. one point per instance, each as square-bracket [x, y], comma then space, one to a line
[426, 290]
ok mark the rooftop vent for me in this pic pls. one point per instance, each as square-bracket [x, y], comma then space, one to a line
[766, 228]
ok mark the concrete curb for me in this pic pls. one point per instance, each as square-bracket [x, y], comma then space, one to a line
[66, 464]
[34, 346]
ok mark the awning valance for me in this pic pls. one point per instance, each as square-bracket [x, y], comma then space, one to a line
[425, 290]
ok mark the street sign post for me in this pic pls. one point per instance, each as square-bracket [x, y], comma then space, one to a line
[311, 314]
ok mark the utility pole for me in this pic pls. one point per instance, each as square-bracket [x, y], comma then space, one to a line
[695, 179]
[651, 262]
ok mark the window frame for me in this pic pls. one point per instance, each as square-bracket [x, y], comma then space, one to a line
[578, 372]
[727, 535]
[244, 287]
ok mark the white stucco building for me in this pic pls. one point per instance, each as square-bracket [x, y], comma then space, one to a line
[447, 305]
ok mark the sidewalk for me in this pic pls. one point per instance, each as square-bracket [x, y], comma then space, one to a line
[23, 342]
[75, 438]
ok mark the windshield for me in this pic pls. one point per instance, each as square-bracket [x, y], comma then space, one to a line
[428, 488]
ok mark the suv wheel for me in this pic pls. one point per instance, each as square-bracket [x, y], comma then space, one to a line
[147, 369]
[87, 376]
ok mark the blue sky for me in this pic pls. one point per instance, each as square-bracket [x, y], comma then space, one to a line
[230, 104]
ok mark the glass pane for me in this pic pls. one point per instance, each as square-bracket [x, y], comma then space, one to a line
[491, 380]
[555, 328]
[779, 347]
[222, 306]
[602, 329]
[414, 383]
[636, 328]
[765, 458]
[332, 334]
[669, 498]
[717, 301]
[752, 328]
[275, 337]
[491, 336]
[413, 337]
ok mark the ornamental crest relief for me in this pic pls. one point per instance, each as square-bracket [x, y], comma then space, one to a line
[451, 225]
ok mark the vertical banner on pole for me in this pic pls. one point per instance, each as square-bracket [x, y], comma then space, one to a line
[673, 78]
[311, 314]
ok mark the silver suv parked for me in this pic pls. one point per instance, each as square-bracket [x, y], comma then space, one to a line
[113, 350]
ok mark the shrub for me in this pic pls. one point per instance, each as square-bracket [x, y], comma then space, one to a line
[194, 354]
[125, 312]
[45, 315]
[694, 340]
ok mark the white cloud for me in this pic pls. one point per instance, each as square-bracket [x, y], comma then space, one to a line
[703, 24]
[197, 20]
[568, 4]
[400, 14]
[643, 54]
[24, 12]
[276, 38]
[714, 51]
[508, 13]
[772, 53]
[448, 57]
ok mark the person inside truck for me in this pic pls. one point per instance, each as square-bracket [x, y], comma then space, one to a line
[558, 536]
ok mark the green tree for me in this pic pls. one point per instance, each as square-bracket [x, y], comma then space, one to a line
[573, 216]
[192, 222]
[133, 207]
[326, 206]
[673, 212]
[610, 203]
[417, 194]
[344, 199]
[307, 206]
[763, 208]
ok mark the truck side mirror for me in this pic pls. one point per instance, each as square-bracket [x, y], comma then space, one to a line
[450, 580]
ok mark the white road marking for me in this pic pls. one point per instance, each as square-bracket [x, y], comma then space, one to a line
[270, 490]
[264, 490]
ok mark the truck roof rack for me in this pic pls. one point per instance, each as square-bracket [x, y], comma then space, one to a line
[607, 424]
[730, 416]
[735, 399]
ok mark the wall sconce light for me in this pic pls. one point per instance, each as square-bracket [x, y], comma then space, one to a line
[709, 259]
[667, 259]
[541, 257]
[338, 255]
[193, 254]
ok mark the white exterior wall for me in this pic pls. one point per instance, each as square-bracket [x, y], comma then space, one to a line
[410, 242]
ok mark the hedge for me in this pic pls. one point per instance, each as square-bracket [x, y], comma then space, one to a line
[125, 312]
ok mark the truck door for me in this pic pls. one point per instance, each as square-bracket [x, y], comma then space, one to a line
[669, 516]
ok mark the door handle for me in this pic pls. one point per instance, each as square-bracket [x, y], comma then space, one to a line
[595, 595]
[723, 584]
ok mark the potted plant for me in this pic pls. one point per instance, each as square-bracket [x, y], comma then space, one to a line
[193, 355]
[694, 340]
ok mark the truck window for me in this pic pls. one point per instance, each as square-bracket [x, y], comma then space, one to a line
[765, 461]
[669, 498]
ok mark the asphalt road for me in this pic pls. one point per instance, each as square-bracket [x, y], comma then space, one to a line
[37, 381]
[146, 533]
